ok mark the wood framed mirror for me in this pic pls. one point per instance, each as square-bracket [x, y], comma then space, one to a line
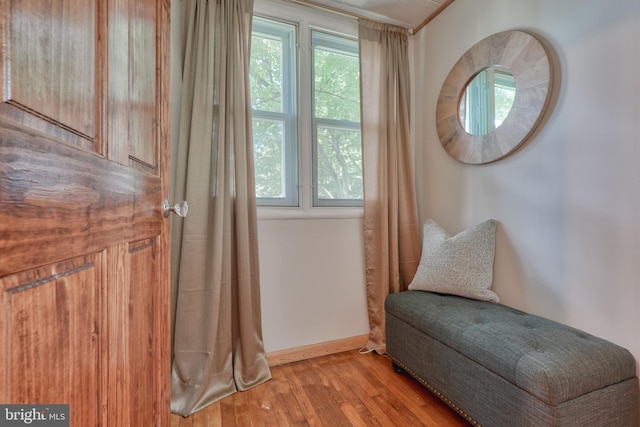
[494, 97]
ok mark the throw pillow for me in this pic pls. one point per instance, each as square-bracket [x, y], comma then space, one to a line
[459, 265]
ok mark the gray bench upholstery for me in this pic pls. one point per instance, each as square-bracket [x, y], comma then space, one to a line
[498, 366]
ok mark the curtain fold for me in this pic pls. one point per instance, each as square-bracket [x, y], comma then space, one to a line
[391, 229]
[217, 345]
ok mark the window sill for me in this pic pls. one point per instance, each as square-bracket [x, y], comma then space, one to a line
[280, 213]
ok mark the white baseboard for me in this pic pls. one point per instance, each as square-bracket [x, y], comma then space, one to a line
[314, 350]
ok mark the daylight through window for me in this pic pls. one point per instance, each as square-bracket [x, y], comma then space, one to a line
[336, 121]
[272, 81]
[317, 135]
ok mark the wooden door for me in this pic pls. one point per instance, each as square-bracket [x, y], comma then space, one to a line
[83, 241]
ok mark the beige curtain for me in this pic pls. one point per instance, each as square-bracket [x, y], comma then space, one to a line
[392, 242]
[217, 347]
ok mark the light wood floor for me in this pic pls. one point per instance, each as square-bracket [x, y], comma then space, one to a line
[344, 389]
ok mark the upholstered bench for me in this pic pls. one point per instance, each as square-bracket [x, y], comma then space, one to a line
[498, 366]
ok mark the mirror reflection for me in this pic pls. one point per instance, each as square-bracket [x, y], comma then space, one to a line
[487, 100]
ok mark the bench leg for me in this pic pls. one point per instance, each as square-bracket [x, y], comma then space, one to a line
[397, 368]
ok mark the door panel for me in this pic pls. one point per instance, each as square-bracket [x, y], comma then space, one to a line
[132, 95]
[135, 346]
[118, 89]
[143, 340]
[142, 90]
[118, 327]
[50, 319]
[83, 241]
[50, 52]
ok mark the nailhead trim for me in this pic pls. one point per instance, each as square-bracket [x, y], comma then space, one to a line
[436, 392]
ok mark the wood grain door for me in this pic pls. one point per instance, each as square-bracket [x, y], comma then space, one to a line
[83, 241]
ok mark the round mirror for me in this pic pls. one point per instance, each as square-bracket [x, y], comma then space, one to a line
[490, 132]
[487, 100]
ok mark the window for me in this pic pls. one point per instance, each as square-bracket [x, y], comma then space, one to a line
[487, 101]
[337, 149]
[272, 82]
[306, 115]
[504, 90]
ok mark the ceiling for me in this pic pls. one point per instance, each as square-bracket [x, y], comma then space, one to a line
[411, 14]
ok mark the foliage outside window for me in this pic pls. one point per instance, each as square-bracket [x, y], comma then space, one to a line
[487, 101]
[331, 114]
[272, 81]
[336, 121]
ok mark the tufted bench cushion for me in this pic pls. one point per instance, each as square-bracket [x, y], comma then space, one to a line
[500, 366]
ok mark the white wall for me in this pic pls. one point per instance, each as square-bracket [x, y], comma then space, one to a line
[568, 201]
[311, 281]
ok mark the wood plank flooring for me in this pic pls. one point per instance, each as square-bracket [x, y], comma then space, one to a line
[343, 389]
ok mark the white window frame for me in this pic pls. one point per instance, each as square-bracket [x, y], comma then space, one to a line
[288, 115]
[346, 45]
[306, 18]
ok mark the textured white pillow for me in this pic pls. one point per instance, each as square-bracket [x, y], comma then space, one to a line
[459, 265]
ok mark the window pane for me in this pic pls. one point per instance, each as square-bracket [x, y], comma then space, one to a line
[505, 94]
[339, 163]
[272, 80]
[266, 73]
[336, 81]
[268, 146]
[336, 106]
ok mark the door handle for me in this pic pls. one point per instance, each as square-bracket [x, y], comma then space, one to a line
[181, 208]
